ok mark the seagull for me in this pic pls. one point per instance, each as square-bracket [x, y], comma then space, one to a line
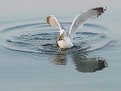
[65, 38]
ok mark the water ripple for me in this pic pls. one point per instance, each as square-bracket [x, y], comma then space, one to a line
[44, 41]
[40, 38]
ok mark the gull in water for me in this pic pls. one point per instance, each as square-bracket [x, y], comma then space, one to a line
[65, 40]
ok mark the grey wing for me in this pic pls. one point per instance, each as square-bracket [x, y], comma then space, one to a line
[54, 22]
[80, 19]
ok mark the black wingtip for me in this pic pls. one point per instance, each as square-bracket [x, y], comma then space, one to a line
[100, 9]
[47, 19]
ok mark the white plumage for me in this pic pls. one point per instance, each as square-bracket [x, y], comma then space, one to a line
[64, 40]
[65, 43]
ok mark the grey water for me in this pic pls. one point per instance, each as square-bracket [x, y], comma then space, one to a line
[31, 61]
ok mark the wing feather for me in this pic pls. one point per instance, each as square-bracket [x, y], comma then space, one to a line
[52, 20]
[80, 19]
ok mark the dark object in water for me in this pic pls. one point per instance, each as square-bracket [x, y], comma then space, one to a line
[85, 64]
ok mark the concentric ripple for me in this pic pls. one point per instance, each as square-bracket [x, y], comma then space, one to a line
[41, 38]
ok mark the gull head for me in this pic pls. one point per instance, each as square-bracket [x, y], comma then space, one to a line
[62, 32]
[61, 35]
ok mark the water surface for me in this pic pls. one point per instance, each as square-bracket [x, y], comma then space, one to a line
[30, 59]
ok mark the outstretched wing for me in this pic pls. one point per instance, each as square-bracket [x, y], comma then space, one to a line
[54, 22]
[80, 19]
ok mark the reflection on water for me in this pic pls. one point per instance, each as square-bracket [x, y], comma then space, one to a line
[40, 38]
[85, 64]
[60, 59]
[82, 62]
